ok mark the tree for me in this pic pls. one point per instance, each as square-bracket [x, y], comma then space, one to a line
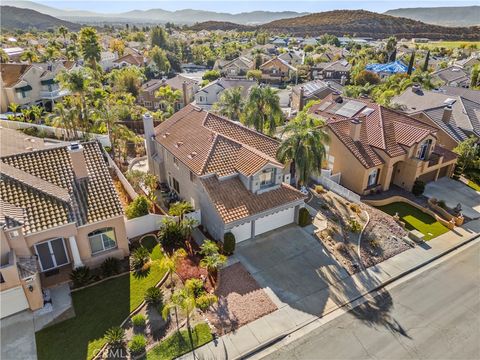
[137, 208]
[171, 233]
[30, 56]
[127, 79]
[62, 30]
[262, 110]
[366, 77]
[304, 145]
[158, 37]
[425, 64]
[118, 46]
[411, 63]
[184, 300]
[3, 57]
[169, 98]
[211, 75]
[230, 103]
[254, 75]
[212, 259]
[65, 117]
[475, 78]
[150, 180]
[160, 59]
[391, 48]
[89, 46]
[468, 154]
[169, 262]
[180, 208]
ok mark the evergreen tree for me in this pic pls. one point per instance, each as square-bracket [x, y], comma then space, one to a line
[425, 64]
[410, 64]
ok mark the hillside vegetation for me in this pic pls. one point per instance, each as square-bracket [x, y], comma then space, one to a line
[445, 16]
[13, 18]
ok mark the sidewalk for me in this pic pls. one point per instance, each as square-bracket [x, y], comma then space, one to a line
[340, 292]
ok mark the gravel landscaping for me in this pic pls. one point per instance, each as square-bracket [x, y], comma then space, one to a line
[240, 300]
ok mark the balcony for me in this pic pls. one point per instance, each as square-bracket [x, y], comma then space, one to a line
[54, 94]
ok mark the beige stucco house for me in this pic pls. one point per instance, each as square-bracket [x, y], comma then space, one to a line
[277, 71]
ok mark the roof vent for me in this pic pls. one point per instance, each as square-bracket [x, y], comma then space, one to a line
[449, 101]
[192, 155]
[178, 144]
[166, 135]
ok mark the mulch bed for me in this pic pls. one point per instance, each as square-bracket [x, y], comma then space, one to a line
[189, 267]
[240, 300]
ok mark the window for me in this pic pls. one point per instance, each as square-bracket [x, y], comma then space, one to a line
[176, 185]
[102, 239]
[175, 161]
[267, 178]
[147, 103]
[423, 151]
[372, 178]
[201, 99]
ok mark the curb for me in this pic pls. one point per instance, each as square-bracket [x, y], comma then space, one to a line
[387, 282]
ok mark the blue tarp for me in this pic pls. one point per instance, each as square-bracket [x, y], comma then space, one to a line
[396, 67]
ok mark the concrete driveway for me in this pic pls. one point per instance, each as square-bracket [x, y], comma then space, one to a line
[18, 337]
[292, 266]
[454, 192]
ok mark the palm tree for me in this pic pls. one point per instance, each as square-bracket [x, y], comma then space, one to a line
[169, 262]
[208, 247]
[90, 48]
[304, 145]
[212, 263]
[14, 108]
[187, 226]
[30, 56]
[169, 98]
[27, 115]
[230, 103]
[37, 113]
[71, 53]
[62, 30]
[66, 117]
[180, 208]
[262, 110]
[184, 300]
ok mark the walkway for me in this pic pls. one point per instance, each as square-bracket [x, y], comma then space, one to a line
[286, 319]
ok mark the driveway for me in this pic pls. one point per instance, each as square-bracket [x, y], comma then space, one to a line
[454, 192]
[18, 337]
[292, 266]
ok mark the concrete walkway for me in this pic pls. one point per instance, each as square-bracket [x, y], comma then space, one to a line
[340, 292]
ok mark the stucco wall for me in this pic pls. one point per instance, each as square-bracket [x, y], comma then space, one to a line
[442, 138]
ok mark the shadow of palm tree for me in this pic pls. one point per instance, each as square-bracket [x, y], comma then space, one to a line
[141, 273]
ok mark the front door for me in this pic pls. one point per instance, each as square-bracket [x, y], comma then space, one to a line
[52, 254]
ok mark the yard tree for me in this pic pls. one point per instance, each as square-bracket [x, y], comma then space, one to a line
[89, 46]
[254, 75]
[169, 262]
[230, 103]
[127, 79]
[391, 48]
[169, 98]
[366, 77]
[183, 300]
[411, 63]
[212, 259]
[118, 46]
[159, 37]
[425, 64]
[468, 154]
[180, 208]
[211, 75]
[160, 59]
[262, 110]
[30, 56]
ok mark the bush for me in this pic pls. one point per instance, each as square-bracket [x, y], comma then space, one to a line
[195, 286]
[138, 320]
[111, 266]
[115, 336]
[319, 189]
[140, 257]
[153, 296]
[303, 217]
[341, 247]
[355, 208]
[354, 226]
[81, 276]
[211, 75]
[205, 301]
[418, 187]
[137, 344]
[228, 243]
[137, 208]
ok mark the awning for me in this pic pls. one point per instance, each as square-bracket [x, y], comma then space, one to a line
[48, 82]
[23, 88]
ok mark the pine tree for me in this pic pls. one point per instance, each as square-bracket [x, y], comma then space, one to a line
[425, 64]
[410, 64]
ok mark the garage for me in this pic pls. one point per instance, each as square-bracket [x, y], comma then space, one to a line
[274, 221]
[242, 232]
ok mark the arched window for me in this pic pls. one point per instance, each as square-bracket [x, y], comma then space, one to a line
[102, 239]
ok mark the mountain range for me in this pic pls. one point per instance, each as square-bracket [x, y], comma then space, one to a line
[445, 16]
[24, 19]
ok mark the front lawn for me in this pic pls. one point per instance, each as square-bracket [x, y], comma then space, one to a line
[179, 343]
[473, 185]
[415, 219]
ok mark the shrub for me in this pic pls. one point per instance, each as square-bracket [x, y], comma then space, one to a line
[195, 286]
[442, 204]
[81, 276]
[140, 257]
[138, 320]
[303, 217]
[205, 301]
[341, 247]
[153, 296]
[418, 187]
[211, 75]
[115, 336]
[137, 208]
[354, 226]
[319, 189]
[355, 208]
[111, 266]
[137, 344]
[228, 243]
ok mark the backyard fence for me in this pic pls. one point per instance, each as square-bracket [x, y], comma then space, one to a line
[126, 184]
[144, 224]
[338, 189]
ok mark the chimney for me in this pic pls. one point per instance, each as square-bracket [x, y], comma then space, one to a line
[355, 126]
[185, 93]
[77, 157]
[301, 101]
[149, 133]
[447, 114]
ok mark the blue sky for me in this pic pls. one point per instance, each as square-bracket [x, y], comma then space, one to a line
[236, 6]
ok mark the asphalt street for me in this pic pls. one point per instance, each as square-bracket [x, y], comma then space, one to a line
[434, 315]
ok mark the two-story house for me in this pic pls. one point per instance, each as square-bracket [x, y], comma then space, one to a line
[58, 210]
[226, 170]
[210, 93]
[338, 71]
[277, 71]
[236, 68]
[373, 147]
[311, 91]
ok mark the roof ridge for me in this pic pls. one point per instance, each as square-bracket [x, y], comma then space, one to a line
[210, 152]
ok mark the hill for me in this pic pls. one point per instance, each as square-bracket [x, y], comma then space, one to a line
[444, 16]
[367, 24]
[12, 18]
[220, 25]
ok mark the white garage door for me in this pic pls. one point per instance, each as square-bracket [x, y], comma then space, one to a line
[274, 221]
[242, 232]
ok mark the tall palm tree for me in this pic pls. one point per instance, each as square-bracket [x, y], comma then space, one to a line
[65, 116]
[262, 110]
[30, 56]
[62, 30]
[169, 262]
[230, 103]
[304, 145]
[169, 98]
[184, 300]
[90, 48]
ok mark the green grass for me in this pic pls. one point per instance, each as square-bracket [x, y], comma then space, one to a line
[179, 343]
[97, 309]
[450, 44]
[415, 219]
[473, 185]
[150, 242]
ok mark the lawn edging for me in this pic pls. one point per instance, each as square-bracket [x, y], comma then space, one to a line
[100, 281]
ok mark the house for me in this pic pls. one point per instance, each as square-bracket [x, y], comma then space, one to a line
[210, 94]
[59, 210]
[391, 68]
[106, 60]
[146, 95]
[338, 71]
[457, 115]
[14, 53]
[312, 90]
[291, 58]
[236, 68]
[277, 71]
[372, 147]
[226, 170]
[467, 93]
[452, 76]
[129, 60]
[279, 42]
[468, 62]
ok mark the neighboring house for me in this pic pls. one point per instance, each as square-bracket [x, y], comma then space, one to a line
[106, 60]
[452, 76]
[146, 95]
[291, 57]
[457, 115]
[210, 94]
[312, 90]
[468, 63]
[129, 60]
[236, 68]
[279, 42]
[226, 170]
[469, 94]
[28, 85]
[277, 71]
[385, 70]
[372, 147]
[59, 210]
[338, 71]
[14, 53]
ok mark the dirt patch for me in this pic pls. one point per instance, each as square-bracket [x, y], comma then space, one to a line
[189, 268]
[240, 300]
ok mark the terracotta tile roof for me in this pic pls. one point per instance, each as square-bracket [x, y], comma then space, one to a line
[447, 154]
[234, 202]
[12, 73]
[42, 183]
[131, 59]
[15, 142]
[10, 214]
[207, 143]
